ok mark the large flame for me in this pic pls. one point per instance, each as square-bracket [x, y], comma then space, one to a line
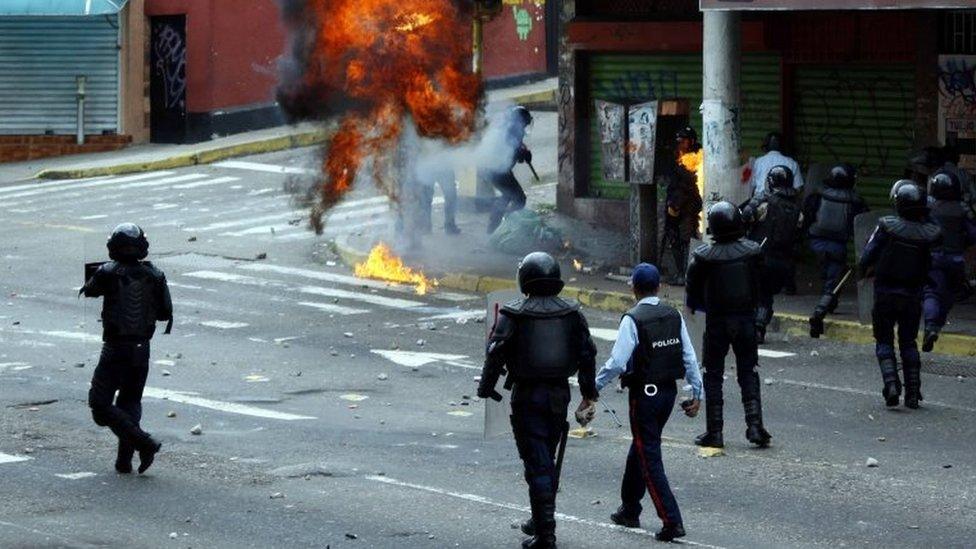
[383, 264]
[694, 162]
[374, 63]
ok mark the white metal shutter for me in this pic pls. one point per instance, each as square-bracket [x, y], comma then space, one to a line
[40, 58]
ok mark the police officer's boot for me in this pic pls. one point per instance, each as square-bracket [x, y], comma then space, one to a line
[544, 520]
[931, 336]
[528, 527]
[148, 448]
[819, 313]
[755, 432]
[892, 385]
[913, 385]
[123, 460]
[712, 437]
[761, 314]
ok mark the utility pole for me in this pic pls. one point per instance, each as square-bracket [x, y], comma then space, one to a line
[720, 107]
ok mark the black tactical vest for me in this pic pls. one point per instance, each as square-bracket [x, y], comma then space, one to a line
[951, 217]
[835, 218]
[546, 343]
[657, 357]
[778, 228]
[732, 277]
[129, 310]
[904, 262]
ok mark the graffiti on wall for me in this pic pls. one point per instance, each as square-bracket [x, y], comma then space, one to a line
[849, 119]
[640, 86]
[957, 105]
[169, 53]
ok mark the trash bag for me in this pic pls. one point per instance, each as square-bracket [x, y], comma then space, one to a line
[525, 231]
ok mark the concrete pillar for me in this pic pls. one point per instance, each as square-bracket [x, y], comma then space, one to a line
[720, 108]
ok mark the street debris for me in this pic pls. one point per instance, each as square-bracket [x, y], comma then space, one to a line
[871, 462]
[459, 413]
[353, 397]
[171, 414]
[347, 334]
[710, 452]
[382, 377]
[197, 430]
[277, 495]
[581, 432]
[166, 373]
[421, 342]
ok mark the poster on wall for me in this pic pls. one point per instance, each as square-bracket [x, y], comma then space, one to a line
[642, 132]
[957, 105]
[613, 134]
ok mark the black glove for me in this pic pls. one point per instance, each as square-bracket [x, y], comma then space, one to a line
[523, 154]
[489, 392]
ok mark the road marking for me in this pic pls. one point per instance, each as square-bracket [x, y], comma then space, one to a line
[76, 336]
[14, 366]
[38, 186]
[606, 334]
[347, 280]
[224, 324]
[75, 476]
[229, 407]
[206, 183]
[873, 394]
[373, 299]
[94, 217]
[184, 286]
[269, 168]
[158, 182]
[769, 353]
[333, 308]
[415, 359]
[473, 498]
[457, 315]
[7, 458]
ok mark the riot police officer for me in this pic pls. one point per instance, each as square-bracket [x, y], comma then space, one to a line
[947, 277]
[512, 196]
[774, 219]
[898, 257]
[683, 204]
[541, 340]
[724, 283]
[829, 221]
[136, 296]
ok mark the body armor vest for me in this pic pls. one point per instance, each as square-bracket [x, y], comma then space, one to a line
[835, 217]
[778, 228]
[129, 310]
[731, 284]
[658, 355]
[546, 343]
[904, 261]
[951, 217]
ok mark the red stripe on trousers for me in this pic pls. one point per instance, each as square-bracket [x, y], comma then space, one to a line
[655, 497]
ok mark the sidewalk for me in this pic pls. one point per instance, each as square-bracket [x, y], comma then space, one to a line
[152, 157]
[468, 262]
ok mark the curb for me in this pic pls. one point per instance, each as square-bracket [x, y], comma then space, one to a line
[619, 302]
[207, 156]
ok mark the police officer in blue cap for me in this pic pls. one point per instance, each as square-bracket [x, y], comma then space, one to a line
[652, 351]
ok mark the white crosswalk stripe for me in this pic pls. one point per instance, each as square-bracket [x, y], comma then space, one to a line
[268, 168]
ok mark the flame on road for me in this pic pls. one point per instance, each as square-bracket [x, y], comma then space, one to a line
[383, 264]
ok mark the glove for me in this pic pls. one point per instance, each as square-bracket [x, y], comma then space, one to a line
[523, 154]
[489, 392]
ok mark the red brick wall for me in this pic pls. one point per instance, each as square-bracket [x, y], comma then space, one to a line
[18, 148]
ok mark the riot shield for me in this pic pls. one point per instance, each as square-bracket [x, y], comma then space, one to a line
[864, 225]
[694, 322]
[496, 413]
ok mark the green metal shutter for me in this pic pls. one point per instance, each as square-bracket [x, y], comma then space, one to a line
[638, 78]
[860, 114]
[40, 58]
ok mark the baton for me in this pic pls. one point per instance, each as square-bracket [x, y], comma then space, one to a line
[612, 414]
[843, 281]
[531, 167]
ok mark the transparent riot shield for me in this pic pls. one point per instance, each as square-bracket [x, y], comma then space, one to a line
[694, 322]
[496, 413]
[864, 225]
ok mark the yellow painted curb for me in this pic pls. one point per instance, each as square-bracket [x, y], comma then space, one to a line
[208, 156]
[545, 96]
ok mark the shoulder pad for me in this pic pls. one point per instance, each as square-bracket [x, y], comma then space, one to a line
[540, 307]
[153, 269]
[911, 230]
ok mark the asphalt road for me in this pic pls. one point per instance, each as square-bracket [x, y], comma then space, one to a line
[340, 413]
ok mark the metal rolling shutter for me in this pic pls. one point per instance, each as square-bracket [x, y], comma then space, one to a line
[861, 114]
[633, 78]
[39, 60]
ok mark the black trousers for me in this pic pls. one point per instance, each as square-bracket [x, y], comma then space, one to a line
[891, 310]
[538, 421]
[775, 275]
[739, 333]
[645, 468]
[122, 368]
[512, 196]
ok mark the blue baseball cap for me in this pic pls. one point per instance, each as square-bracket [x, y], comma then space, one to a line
[645, 277]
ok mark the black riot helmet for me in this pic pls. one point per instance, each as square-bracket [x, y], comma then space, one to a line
[521, 115]
[538, 274]
[773, 142]
[910, 199]
[128, 243]
[841, 176]
[945, 186]
[725, 222]
[779, 180]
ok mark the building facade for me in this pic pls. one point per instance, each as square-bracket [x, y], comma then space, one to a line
[865, 86]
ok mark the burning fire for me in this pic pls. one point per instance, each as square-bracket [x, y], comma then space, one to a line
[578, 265]
[694, 162]
[383, 264]
[374, 64]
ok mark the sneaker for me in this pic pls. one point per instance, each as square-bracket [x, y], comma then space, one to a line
[670, 533]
